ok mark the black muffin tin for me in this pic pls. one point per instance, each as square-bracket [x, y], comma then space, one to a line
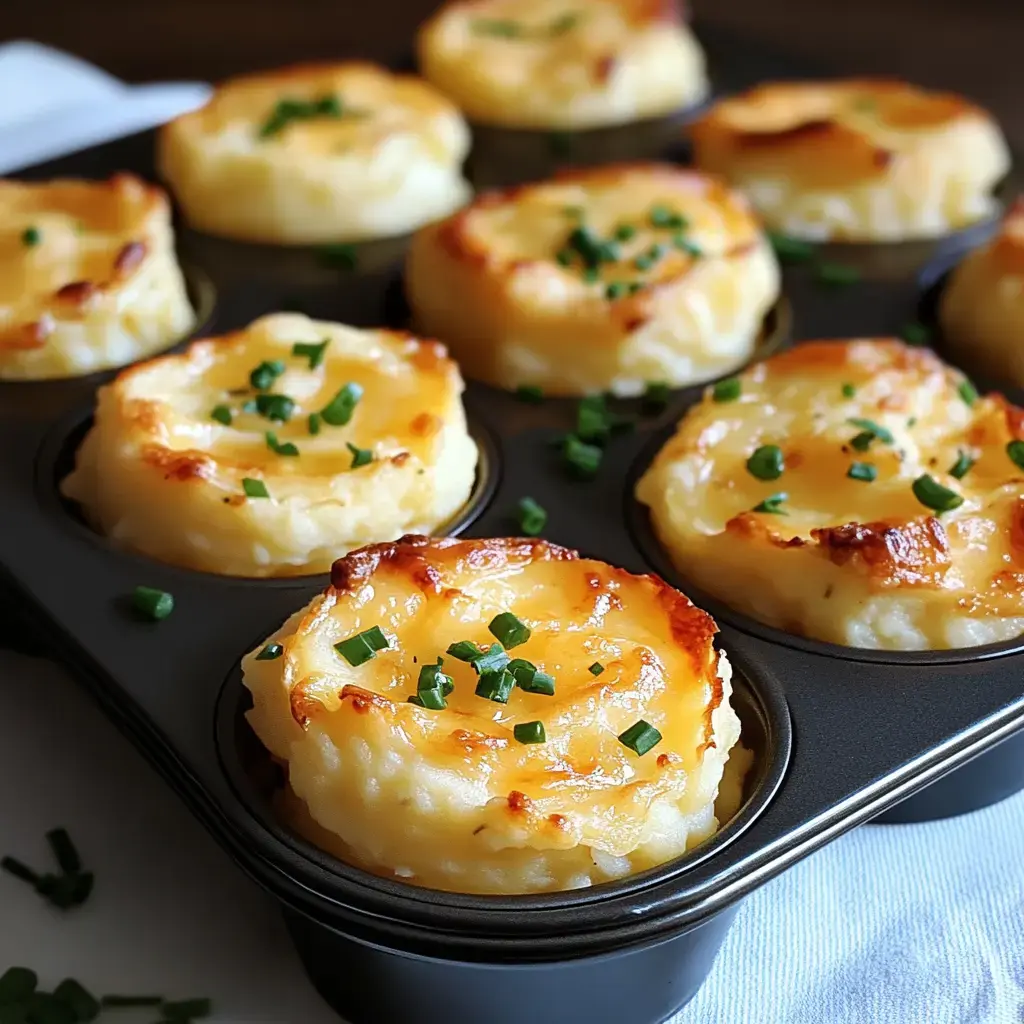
[840, 736]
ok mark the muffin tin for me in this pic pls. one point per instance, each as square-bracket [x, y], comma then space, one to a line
[840, 735]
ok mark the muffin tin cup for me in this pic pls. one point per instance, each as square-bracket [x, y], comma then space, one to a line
[873, 728]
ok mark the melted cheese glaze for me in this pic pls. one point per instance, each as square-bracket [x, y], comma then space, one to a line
[862, 564]
[100, 288]
[449, 799]
[981, 311]
[389, 166]
[618, 61]
[856, 160]
[487, 282]
[159, 475]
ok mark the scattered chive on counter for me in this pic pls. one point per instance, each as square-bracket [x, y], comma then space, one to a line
[532, 517]
[656, 396]
[151, 603]
[863, 471]
[254, 488]
[596, 669]
[791, 250]
[270, 653]
[836, 275]
[727, 390]
[361, 647]
[530, 393]
[582, 459]
[1015, 449]
[340, 257]
[286, 448]
[933, 495]
[772, 505]
[530, 732]
[339, 409]
[640, 738]
[766, 463]
[360, 456]
[962, 466]
[222, 414]
[66, 890]
[916, 334]
[312, 351]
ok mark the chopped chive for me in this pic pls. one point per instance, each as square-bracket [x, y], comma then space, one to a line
[465, 650]
[21, 871]
[640, 737]
[656, 395]
[254, 488]
[583, 459]
[130, 1002]
[691, 248]
[250, 406]
[664, 217]
[432, 700]
[509, 630]
[46, 1008]
[791, 250]
[82, 1003]
[592, 420]
[564, 257]
[530, 732]
[635, 286]
[360, 456]
[863, 471]
[531, 679]
[314, 423]
[187, 1009]
[962, 466]
[591, 275]
[31, 237]
[643, 262]
[339, 257]
[573, 211]
[500, 28]
[968, 392]
[313, 351]
[287, 448]
[596, 669]
[875, 432]
[912, 421]
[616, 290]
[151, 603]
[862, 442]
[266, 373]
[362, 646]
[288, 110]
[772, 505]
[17, 984]
[1015, 449]
[836, 275]
[727, 390]
[494, 659]
[432, 678]
[532, 517]
[66, 891]
[270, 653]
[564, 23]
[64, 851]
[916, 334]
[530, 393]
[849, 390]
[933, 495]
[624, 232]
[339, 410]
[222, 414]
[766, 463]
[277, 408]
[495, 685]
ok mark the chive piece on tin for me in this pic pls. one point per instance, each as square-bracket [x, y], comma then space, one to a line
[508, 630]
[151, 603]
[222, 414]
[766, 462]
[727, 390]
[254, 488]
[532, 517]
[64, 851]
[270, 653]
[933, 495]
[640, 737]
[530, 732]
[361, 647]
[583, 459]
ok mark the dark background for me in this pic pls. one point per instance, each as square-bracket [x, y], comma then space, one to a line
[973, 46]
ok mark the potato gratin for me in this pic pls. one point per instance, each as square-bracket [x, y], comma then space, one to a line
[600, 280]
[567, 64]
[88, 276]
[860, 160]
[981, 311]
[317, 153]
[859, 492]
[497, 716]
[271, 451]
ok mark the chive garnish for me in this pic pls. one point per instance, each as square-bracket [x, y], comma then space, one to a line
[873, 432]
[254, 488]
[689, 247]
[596, 669]
[508, 630]
[656, 395]
[500, 28]
[532, 517]
[529, 732]
[494, 659]
[339, 410]
[270, 653]
[916, 334]
[962, 466]
[151, 603]
[836, 275]
[432, 700]
[465, 650]
[727, 390]
[583, 459]
[288, 110]
[360, 456]
[564, 23]
[933, 495]
[339, 257]
[531, 679]
[21, 871]
[432, 678]
[530, 393]
[643, 262]
[82, 1003]
[616, 290]
[285, 448]
[968, 392]
[564, 257]
[277, 408]
[766, 463]
[640, 737]
[576, 212]
[624, 232]
[265, 374]
[130, 1002]
[314, 423]
[64, 851]
[17, 984]
[1015, 449]
[849, 390]
[31, 237]
[664, 217]
[791, 250]
[363, 646]
[222, 414]
[772, 505]
[864, 471]
[591, 275]
[495, 685]
[313, 351]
